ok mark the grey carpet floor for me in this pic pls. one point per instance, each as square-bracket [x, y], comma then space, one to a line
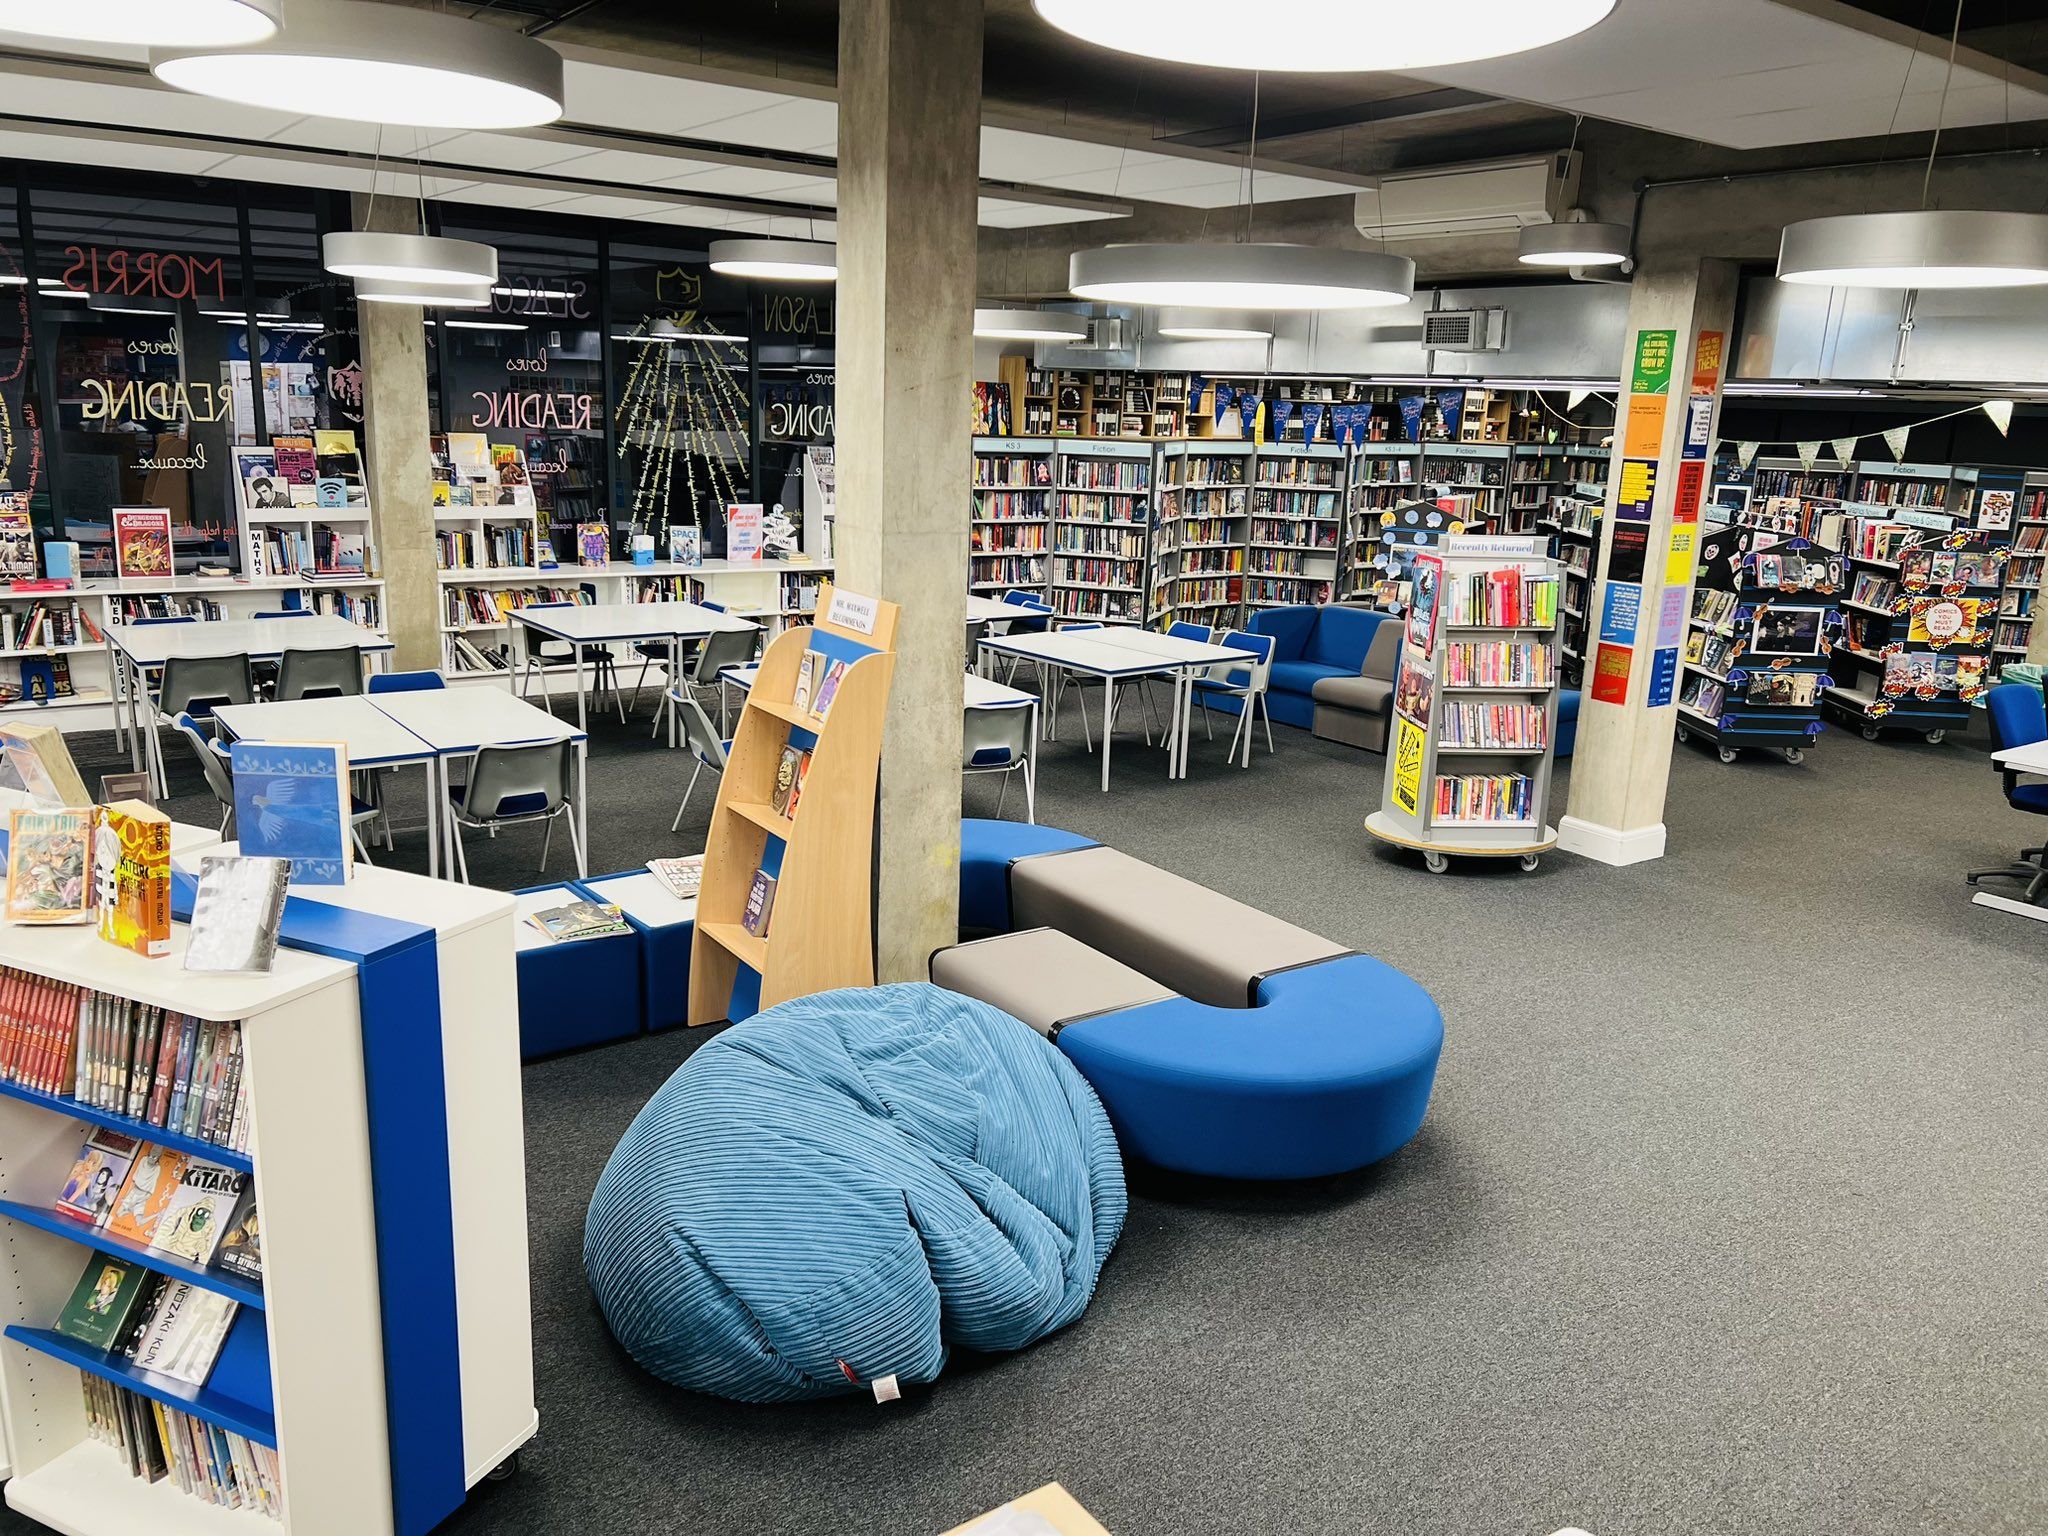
[1727, 1216]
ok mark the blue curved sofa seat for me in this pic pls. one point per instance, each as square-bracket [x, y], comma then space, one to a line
[846, 1186]
[1328, 1069]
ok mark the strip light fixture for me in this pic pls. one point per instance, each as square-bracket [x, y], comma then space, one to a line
[372, 63]
[1322, 36]
[1248, 276]
[1213, 325]
[145, 23]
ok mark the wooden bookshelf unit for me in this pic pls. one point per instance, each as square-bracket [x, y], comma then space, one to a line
[820, 932]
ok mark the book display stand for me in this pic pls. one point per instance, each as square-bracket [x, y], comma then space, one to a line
[1757, 648]
[1404, 532]
[812, 927]
[385, 1352]
[1475, 706]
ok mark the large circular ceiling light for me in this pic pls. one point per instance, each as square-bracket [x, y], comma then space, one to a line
[145, 23]
[1213, 325]
[1322, 36]
[789, 261]
[379, 64]
[1257, 277]
[370, 290]
[1030, 325]
[394, 257]
[1931, 248]
[1574, 245]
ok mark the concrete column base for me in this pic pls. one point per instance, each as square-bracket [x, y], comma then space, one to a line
[1606, 845]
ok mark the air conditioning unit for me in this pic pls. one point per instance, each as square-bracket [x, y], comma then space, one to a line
[1465, 330]
[1105, 334]
[1488, 197]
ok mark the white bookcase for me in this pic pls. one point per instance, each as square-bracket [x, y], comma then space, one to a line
[387, 1350]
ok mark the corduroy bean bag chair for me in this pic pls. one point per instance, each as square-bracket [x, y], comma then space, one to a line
[845, 1187]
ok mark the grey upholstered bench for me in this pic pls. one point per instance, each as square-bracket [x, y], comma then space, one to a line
[1358, 710]
[1043, 977]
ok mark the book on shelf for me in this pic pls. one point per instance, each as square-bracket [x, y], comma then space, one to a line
[185, 1332]
[142, 543]
[298, 462]
[236, 914]
[1483, 797]
[17, 538]
[806, 681]
[49, 862]
[146, 1193]
[193, 1223]
[292, 802]
[241, 1241]
[788, 769]
[199, 1459]
[760, 904]
[103, 1304]
[97, 1175]
[132, 876]
[579, 920]
[38, 761]
[681, 876]
[828, 688]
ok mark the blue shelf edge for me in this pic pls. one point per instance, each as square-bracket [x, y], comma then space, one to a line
[223, 1412]
[248, 1292]
[128, 1125]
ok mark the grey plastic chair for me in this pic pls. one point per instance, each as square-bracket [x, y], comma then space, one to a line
[214, 763]
[508, 786]
[708, 746]
[977, 631]
[197, 685]
[997, 739]
[719, 650]
[537, 653]
[320, 674]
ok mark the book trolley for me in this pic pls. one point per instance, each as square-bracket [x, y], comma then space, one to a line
[1475, 706]
[385, 1353]
[1757, 644]
[820, 930]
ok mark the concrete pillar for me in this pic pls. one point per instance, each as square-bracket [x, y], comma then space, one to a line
[1680, 323]
[909, 163]
[395, 457]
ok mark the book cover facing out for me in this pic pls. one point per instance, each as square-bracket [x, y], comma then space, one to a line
[102, 1302]
[132, 876]
[48, 863]
[142, 542]
[292, 802]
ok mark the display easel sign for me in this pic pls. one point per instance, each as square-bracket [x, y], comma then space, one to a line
[743, 532]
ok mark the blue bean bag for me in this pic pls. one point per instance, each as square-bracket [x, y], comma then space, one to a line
[846, 1186]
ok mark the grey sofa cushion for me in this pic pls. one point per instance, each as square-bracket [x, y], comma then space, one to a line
[1043, 977]
[1351, 728]
[1186, 936]
[1383, 656]
[1365, 695]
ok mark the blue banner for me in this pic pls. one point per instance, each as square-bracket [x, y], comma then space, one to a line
[1311, 422]
[1248, 411]
[1411, 417]
[1283, 412]
[1224, 396]
[1450, 404]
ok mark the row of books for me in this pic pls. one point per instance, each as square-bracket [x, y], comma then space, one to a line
[1708, 651]
[1111, 543]
[1207, 530]
[1006, 506]
[1383, 472]
[1292, 471]
[47, 623]
[1703, 694]
[1079, 507]
[1482, 797]
[1286, 591]
[1007, 570]
[1306, 535]
[1209, 592]
[364, 608]
[1498, 664]
[497, 546]
[281, 551]
[992, 469]
[1107, 474]
[987, 538]
[1873, 590]
[1924, 673]
[1200, 468]
[1713, 607]
[165, 605]
[164, 1202]
[490, 605]
[1941, 567]
[1799, 483]
[1507, 597]
[465, 655]
[1314, 505]
[1079, 603]
[1467, 724]
[1281, 562]
[1896, 492]
[1875, 539]
[198, 1458]
[1464, 472]
[1213, 503]
[1104, 573]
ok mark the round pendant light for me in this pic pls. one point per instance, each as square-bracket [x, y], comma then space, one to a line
[1931, 248]
[1213, 325]
[790, 261]
[1321, 36]
[145, 23]
[1574, 245]
[373, 63]
[406, 258]
[1257, 277]
[1030, 325]
[372, 290]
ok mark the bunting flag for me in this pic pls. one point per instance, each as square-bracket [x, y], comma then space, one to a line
[1311, 422]
[1845, 449]
[1224, 396]
[1745, 452]
[1571, 400]
[2000, 412]
[1248, 411]
[1282, 413]
[1895, 440]
[1808, 452]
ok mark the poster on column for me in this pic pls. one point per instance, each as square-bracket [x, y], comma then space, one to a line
[1706, 378]
[1629, 553]
[1649, 395]
[1638, 490]
[1671, 618]
[1611, 664]
[1679, 556]
[1409, 742]
[1663, 676]
[1621, 607]
[1685, 502]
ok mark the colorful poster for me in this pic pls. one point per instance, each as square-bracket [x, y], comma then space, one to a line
[1706, 362]
[1671, 618]
[1699, 426]
[1685, 504]
[743, 532]
[1611, 665]
[1663, 676]
[1621, 608]
[1679, 558]
[1651, 374]
[1422, 607]
[1638, 489]
[1409, 744]
[1629, 552]
[1450, 405]
[142, 543]
[1643, 437]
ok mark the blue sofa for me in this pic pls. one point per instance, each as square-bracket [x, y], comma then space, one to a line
[1310, 644]
[1221, 1040]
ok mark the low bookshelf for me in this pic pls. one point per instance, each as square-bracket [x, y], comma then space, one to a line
[1475, 706]
[785, 907]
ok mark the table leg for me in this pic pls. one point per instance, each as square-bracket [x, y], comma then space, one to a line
[1108, 725]
[582, 719]
[582, 809]
[433, 821]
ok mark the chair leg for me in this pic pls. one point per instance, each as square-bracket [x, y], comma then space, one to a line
[1087, 733]
[1208, 724]
[461, 856]
[547, 839]
[1001, 793]
[575, 842]
[226, 812]
[362, 848]
[677, 824]
[1266, 715]
[1031, 789]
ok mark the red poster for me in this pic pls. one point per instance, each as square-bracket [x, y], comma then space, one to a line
[1706, 362]
[1610, 674]
[1692, 477]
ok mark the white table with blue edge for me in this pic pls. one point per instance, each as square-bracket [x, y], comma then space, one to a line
[586, 625]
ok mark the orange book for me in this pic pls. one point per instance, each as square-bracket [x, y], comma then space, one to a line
[146, 1193]
[132, 877]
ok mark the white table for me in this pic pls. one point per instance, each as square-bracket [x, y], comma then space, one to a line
[457, 722]
[2031, 758]
[1188, 658]
[597, 624]
[989, 610]
[372, 738]
[133, 648]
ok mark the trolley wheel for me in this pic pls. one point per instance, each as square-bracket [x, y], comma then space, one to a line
[1935, 738]
[1870, 733]
[1795, 756]
[1529, 862]
[1684, 735]
[1727, 754]
[505, 1470]
[1436, 863]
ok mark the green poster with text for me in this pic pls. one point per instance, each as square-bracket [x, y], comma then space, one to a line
[1653, 362]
